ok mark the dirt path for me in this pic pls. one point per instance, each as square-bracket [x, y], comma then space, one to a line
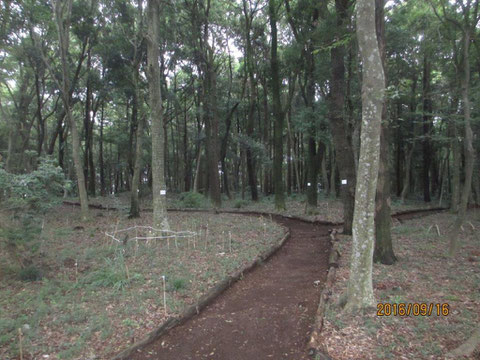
[267, 315]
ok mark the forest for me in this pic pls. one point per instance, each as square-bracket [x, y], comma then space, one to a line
[247, 179]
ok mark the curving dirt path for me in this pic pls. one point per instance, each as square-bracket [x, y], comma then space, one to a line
[267, 315]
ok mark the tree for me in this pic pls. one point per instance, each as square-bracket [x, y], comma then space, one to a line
[360, 288]
[160, 220]
[340, 133]
[62, 12]
[383, 252]
[277, 110]
[467, 25]
[137, 58]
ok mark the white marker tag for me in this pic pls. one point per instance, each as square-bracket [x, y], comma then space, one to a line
[163, 192]
[308, 184]
[344, 181]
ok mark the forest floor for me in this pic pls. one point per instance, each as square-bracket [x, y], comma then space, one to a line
[112, 297]
[97, 295]
[422, 275]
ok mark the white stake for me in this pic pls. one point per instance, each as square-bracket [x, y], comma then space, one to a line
[164, 295]
[230, 240]
[76, 272]
[206, 237]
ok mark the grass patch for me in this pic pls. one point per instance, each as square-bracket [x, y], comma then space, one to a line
[94, 289]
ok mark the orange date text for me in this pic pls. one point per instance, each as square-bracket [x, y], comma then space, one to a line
[413, 309]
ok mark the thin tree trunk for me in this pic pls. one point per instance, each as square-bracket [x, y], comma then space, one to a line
[63, 12]
[100, 154]
[136, 119]
[426, 143]
[277, 111]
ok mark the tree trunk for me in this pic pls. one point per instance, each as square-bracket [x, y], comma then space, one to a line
[455, 148]
[154, 85]
[211, 130]
[63, 28]
[134, 203]
[383, 252]
[338, 128]
[426, 142]
[468, 150]
[360, 288]
[277, 112]
[100, 154]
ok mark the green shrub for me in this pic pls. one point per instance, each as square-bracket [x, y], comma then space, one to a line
[192, 200]
[30, 273]
[178, 284]
[240, 203]
[35, 192]
[28, 197]
[113, 274]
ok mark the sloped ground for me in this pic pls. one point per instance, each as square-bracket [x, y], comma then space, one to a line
[423, 274]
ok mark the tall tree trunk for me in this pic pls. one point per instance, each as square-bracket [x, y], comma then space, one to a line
[455, 148]
[383, 252]
[137, 120]
[468, 150]
[360, 288]
[211, 130]
[100, 154]
[41, 122]
[154, 85]
[277, 112]
[63, 12]
[266, 136]
[252, 175]
[313, 159]
[426, 142]
[411, 147]
[338, 128]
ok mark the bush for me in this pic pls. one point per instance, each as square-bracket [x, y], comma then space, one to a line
[30, 273]
[178, 284]
[192, 200]
[28, 197]
[35, 192]
[240, 203]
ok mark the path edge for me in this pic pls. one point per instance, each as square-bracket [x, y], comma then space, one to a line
[313, 343]
[204, 301]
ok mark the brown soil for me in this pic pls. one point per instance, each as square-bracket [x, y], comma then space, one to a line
[267, 315]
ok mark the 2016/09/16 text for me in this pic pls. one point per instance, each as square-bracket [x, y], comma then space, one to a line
[415, 309]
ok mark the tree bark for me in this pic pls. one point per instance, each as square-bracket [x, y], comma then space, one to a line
[468, 150]
[338, 128]
[383, 252]
[63, 12]
[137, 120]
[159, 190]
[277, 112]
[360, 288]
[100, 154]
[426, 142]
